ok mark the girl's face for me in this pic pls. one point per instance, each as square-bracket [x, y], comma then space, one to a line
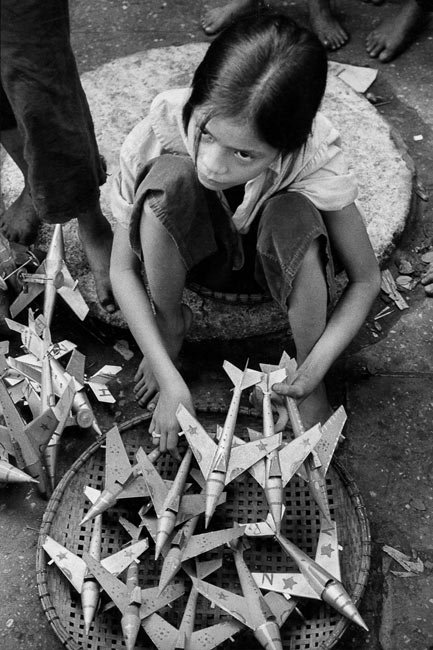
[230, 153]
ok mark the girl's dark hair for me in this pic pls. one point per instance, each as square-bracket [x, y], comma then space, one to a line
[266, 70]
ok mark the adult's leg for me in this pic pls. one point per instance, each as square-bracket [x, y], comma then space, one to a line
[393, 35]
[216, 19]
[62, 169]
[325, 25]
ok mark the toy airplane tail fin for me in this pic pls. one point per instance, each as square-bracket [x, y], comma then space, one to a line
[242, 378]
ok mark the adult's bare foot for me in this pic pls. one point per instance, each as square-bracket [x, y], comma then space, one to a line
[216, 19]
[326, 27]
[391, 37]
[20, 223]
[96, 238]
[173, 334]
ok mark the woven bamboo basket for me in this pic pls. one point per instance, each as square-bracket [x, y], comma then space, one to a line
[321, 628]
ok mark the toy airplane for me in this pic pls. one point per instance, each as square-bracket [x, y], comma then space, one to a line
[134, 603]
[221, 463]
[98, 381]
[75, 568]
[30, 336]
[319, 578]
[52, 277]
[31, 438]
[122, 480]
[316, 465]
[264, 615]
[172, 506]
[166, 637]
[275, 471]
[185, 545]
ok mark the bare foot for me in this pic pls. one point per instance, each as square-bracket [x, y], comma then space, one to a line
[327, 28]
[96, 237]
[427, 281]
[20, 223]
[214, 20]
[392, 36]
[173, 335]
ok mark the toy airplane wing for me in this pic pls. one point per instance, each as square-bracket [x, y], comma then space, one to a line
[115, 588]
[331, 432]
[289, 584]
[116, 563]
[327, 550]
[71, 294]
[194, 504]
[199, 544]
[76, 365]
[293, 454]
[117, 466]
[12, 418]
[257, 470]
[152, 601]
[231, 603]
[155, 483]
[98, 381]
[242, 378]
[63, 407]
[212, 636]
[42, 428]
[202, 445]
[162, 634]
[281, 606]
[33, 290]
[72, 566]
[28, 370]
[6, 444]
[242, 457]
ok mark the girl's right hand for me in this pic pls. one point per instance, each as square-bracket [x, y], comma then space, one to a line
[164, 425]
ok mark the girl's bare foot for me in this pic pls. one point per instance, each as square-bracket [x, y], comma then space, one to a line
[173, 334]
[392, 36]
[20, 223]
[326, 27]
[96, 237]
[214, 20]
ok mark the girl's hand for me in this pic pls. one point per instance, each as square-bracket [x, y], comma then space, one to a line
[164, 426]
[304, 383]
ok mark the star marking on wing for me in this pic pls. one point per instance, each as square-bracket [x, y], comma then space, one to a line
[129, 553]
[192, 430]
[222, 596]
[261, 446]
[306, 442]
[327, 550]
[62, 556]
[44, 427]
[289, 583]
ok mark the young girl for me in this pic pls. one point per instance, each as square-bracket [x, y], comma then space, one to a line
[240, 174]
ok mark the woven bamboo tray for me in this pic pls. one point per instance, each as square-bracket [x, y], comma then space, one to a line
[323, 626]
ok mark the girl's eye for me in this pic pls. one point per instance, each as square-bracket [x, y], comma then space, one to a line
[243, 155]
[206, 136]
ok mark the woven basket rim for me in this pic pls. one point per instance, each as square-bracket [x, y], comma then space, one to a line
[41, 560]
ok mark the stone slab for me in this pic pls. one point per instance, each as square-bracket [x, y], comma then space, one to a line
[119, 95]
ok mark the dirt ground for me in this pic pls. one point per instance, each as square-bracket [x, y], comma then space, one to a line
[385, 378]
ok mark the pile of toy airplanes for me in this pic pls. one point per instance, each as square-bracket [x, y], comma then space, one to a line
[56, 398]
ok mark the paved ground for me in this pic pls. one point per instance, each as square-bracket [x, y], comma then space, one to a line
[385, 379]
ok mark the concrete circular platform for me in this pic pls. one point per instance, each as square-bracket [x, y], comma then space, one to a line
[119, 95]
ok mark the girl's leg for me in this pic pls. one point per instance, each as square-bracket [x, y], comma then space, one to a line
[166, 275]
[291, 260]
[307, 309]
[175, 226]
